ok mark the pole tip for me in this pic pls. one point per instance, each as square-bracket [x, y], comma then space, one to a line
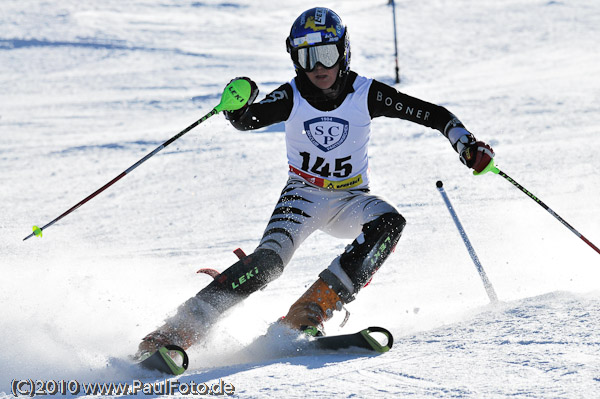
[439, 184]
[37, 231]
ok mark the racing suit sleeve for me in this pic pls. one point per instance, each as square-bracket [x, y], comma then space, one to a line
[274, 108]
[384, 100]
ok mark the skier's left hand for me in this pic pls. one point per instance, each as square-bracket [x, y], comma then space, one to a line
[476, 155]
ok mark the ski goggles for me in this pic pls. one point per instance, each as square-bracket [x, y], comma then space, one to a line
[327, 55]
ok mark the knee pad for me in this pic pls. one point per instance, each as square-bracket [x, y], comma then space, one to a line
[365, 255]
[242, 279]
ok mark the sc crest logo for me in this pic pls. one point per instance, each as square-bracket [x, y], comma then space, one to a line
[327, 132]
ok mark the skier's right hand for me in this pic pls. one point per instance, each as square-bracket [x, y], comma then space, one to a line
[234, 115]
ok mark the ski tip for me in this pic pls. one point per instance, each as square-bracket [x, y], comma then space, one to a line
[375, 344]
[439, 184]
[163, 360]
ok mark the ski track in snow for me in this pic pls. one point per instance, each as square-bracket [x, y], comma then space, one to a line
[88, 88]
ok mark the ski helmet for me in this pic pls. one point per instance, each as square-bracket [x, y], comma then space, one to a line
[319, 36]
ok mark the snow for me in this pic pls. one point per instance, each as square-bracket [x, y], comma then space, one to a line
[88, 88]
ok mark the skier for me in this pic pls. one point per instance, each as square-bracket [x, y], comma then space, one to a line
[327, 109]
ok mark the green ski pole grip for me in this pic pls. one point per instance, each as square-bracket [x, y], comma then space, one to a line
[489, 168]
[235, 95]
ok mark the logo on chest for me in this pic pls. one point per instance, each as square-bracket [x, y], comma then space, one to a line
[327, 132]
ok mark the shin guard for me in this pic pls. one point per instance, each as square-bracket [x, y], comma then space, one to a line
[364, 256]
[195, 317]
[242, 279]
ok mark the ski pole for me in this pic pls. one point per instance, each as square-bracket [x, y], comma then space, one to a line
[492, 168]
[234, 97]
[393, 4]
[486, 282]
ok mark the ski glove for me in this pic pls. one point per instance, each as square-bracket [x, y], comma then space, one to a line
[474, 154]
[234, 115]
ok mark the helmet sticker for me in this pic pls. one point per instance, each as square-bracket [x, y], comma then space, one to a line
[320, 16]
[310, 38]
[311, 23]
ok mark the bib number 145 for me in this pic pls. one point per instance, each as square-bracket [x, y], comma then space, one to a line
[342, 167]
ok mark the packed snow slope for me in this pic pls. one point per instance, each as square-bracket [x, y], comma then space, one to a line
[89, 87]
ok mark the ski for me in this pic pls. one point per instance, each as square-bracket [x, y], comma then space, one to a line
[162, 361]
[367, 339]
[363, 339]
